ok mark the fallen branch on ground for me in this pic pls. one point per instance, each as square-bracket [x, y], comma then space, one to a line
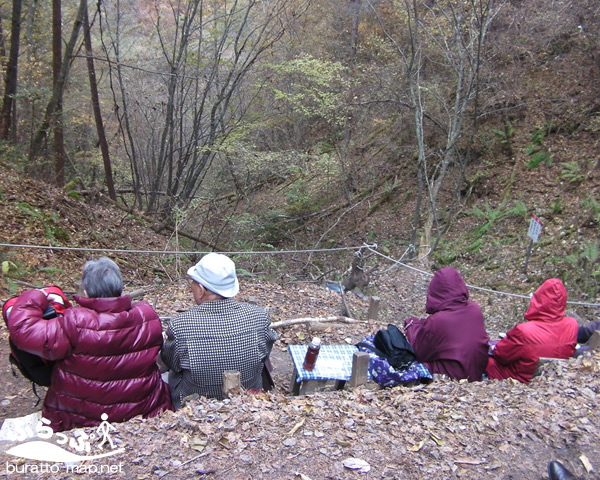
[294, 321]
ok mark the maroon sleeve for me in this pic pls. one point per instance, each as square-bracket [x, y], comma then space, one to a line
[32, 333]
[412, 326]
[422, 335]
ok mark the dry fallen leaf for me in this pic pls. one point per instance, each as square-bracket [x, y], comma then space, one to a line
[198, 444]
[436, 439]
[418, 446]
[356, 464]
[468, 461]
[302, 476]
[297, 426]
[586, 463]
[494, 466]
[224, 442]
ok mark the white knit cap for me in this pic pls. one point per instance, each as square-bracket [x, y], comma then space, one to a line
[216, 272]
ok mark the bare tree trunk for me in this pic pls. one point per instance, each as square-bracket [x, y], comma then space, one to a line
[49, 116]
[464, 55]
[414, 66]
[27, 104]
[31, 9]
[119, 91]
[2, 44]
[210, 55]
[10, 84]
[417, 213]
[108, 177]
[451, 35]
[355, 6]
[59, 147]
[347, 181]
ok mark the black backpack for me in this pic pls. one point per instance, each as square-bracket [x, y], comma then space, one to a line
[31, 366]
[392, 345]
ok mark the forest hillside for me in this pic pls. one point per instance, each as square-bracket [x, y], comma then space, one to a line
[422, 134]
[444, 430]
[435, 131]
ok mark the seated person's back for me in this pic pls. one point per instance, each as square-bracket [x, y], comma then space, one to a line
[216, 335]
[546, 333]
[105, 351]
[452, 340]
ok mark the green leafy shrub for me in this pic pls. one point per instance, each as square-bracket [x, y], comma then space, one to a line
[583, 269]
[556, 207]
[491, 216]
[593, 206]
[314, 87]
[571, 172]
[494, 215]
[538, 156]
[445, 254]
[53, 232]
[503, 136]
[536, 150]
[12, 270]
[299, 200]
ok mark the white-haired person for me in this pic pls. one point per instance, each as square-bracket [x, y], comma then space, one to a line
[104, 351]
[216, 335]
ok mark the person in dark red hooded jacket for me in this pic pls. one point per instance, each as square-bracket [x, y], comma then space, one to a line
[105, 351]
[546, 333]
[452, 340]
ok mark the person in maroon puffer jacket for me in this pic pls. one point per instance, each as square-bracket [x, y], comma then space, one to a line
[452, 340]
[105, 351]
[546, 333]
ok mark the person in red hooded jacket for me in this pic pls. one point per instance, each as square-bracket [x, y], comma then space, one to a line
[546, 333]
[104, 351]
[452, 341]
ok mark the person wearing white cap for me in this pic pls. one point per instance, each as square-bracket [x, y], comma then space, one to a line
[217, 334]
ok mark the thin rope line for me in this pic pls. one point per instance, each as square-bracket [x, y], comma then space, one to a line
[473, 287]
[176, 252]
[370, 247]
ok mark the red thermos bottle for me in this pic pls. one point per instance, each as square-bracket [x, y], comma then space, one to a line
[311, 354]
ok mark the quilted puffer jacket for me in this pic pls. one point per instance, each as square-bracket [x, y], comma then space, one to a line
[547, 333]
[105, 353]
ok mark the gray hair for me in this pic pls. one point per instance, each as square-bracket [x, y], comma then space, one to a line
[102, 278]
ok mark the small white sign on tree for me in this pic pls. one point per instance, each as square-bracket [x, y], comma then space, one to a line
[535, 228]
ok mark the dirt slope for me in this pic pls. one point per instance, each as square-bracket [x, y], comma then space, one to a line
[499, 430]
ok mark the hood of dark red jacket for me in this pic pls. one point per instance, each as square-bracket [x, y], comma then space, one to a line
[548, 302]
[447, 290]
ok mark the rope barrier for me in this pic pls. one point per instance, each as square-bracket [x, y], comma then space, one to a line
[474, 287]
[370, 247]
[176, 252]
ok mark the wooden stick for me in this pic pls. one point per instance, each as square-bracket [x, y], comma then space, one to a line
[294, 321]
[347, 310]
[232, 383]
[360, 369]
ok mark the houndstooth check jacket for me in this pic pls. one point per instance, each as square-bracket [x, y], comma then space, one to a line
[212, 337]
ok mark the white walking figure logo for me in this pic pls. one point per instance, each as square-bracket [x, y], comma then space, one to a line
[104, 430]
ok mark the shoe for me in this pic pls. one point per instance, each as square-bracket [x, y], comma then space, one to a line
[581, 349]
[557, 471]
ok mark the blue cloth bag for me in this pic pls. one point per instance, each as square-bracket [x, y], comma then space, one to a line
[385, 375]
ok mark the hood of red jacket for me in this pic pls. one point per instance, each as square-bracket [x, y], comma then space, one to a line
[447, 290]
[548, 302]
